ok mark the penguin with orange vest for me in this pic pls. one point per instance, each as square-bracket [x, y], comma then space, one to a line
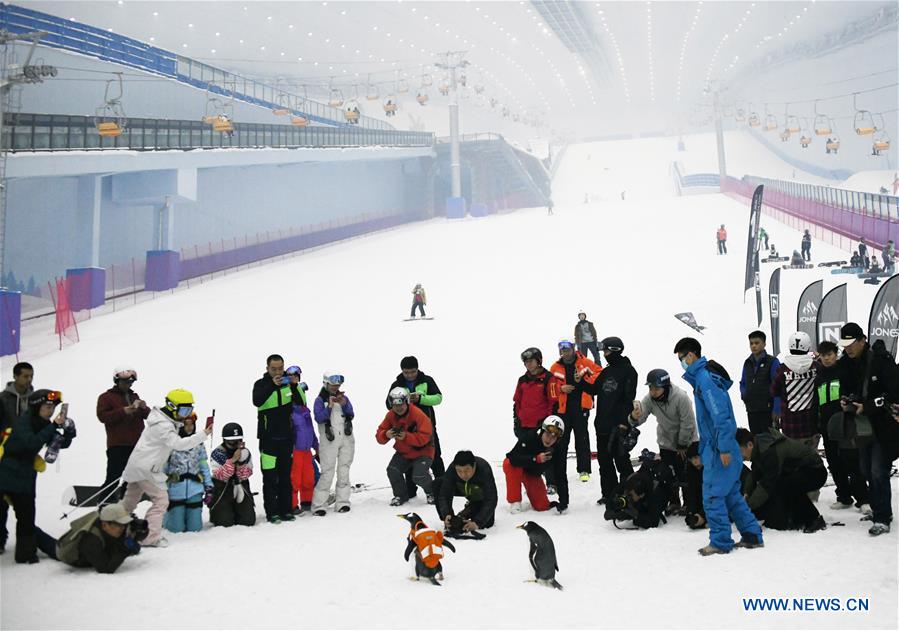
[427, 544]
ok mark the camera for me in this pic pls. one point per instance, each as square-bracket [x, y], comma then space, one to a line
[138, 529]
[303, 386]
[850, 398]
[456, 524]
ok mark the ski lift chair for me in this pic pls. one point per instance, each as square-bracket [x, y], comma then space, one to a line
[110, 117]
[754, 120]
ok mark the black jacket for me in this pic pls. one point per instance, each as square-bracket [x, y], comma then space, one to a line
[431, 389]
[827, 393]
[774, 456]
[101, 552]
[615, 390]
[480, 491]
[883, 388]
[274, 405]
[527, 448]
[755, 386]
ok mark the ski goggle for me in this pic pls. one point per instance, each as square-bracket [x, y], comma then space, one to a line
[183, 411]
[399, 401]
[293, 370]
[54, 397]
[530, 353]
[128, 375]
[566, 344]
[554, 430]
[334, 380]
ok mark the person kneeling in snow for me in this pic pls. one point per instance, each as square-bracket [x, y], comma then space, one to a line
[534, 453]
[232, 500]
[145, 473]
[189, 484]
[642, 497]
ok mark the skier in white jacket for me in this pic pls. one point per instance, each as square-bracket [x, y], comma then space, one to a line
[145, 471]
[337, 445]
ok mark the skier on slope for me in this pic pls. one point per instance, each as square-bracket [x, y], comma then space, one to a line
[419, 300]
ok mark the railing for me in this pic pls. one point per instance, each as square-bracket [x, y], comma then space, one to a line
[838, 215]
[703, 182]
[483, 136]
[100, 44]
[46, 132]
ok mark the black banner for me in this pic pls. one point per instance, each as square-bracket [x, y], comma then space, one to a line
[831, 315]
[774, 307]
[758, 291]
[752, 244]
[688, 319]
[807, 310]
[883, 324]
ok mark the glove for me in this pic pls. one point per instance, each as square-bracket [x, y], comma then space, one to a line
[348, 428]
[207, 497]
[132, 546]
[329, 432]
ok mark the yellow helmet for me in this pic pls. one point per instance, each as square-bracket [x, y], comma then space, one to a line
[180, 402]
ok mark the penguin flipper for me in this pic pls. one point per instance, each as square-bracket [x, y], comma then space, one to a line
[409, 548]
[556, 584]
[434, 581]
[449, 545]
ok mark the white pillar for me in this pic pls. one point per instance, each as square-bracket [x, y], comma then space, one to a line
[95, 223]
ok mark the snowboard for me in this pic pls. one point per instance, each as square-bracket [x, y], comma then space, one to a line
[89, 496]
[775, 259]
[847, 270]
[410, 319]
[832, 263]
[797, 266]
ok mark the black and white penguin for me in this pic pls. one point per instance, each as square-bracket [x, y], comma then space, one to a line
[427, 544]
[542, 554]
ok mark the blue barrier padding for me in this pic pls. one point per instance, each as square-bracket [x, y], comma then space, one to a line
[10, 321]
[86, 287]
[478, 210]
[163, 270]
[455, 207]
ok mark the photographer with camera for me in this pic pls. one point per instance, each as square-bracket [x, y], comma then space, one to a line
[534, 453]
[869, 383]
[122, 412]
[642, 497]
[678, 440]
[102, 539]
[411, 431]
[472, 478]
[784, 472]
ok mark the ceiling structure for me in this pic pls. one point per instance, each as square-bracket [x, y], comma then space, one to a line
[563, 63]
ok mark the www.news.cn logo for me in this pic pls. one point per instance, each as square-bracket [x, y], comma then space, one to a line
[887, 322]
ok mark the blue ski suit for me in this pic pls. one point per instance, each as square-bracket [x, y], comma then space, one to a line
[721, 492]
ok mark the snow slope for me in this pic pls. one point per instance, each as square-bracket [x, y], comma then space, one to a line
[496, 286]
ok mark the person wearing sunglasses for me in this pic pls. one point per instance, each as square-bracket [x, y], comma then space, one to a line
[334, 414]
[20, 464]
[145, 471]
[536, 451]
[273, 398]
[122, 412]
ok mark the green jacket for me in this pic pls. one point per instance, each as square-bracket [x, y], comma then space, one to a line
[426, 387]
[29, 434]
[775, 455]
[86, 545]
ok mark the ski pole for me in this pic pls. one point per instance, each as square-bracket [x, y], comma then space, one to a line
[106, 497]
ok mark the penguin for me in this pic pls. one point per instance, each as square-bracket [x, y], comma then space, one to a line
[542, 555]
[431, 541]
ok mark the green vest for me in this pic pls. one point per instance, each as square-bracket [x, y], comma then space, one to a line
[67, 546]
[828, 392]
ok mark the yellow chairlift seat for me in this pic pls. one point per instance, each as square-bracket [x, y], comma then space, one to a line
[422, 98]
[793, 125]
[770, 122]
[785, 135]
[335, 98]
[402, 86]
[881, 142]
[222, 124]
[281, 111]
[823, 126]
[209, 119]
[373, 93]
[351, 116]
[833, 145]
[109, 129]
[864, 123]
[298, 121]
[754, 120]
[740, 116]
[443, 88]
[805, 140]
[865, 131]
[390, 107]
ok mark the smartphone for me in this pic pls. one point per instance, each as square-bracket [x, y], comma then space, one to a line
[210, 420]
[64, 410]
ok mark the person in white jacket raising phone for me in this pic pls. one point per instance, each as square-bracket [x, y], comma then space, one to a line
[145, 471]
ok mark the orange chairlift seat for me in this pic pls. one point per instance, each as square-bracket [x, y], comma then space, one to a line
[110, 117]
[770, 122]
[832, 145]
[740, 115]
[282, 105]
[785, 135]
[863, 121]
[792, 125]
[372, 93]
[335, 97]
[390, 105]
[881, 140]
[754, 120]
[422, 97]
[805, 136]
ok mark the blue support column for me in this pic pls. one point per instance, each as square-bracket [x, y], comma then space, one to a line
[455, 207]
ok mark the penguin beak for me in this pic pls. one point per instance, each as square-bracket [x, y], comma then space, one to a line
[401, 516]
[520, 526]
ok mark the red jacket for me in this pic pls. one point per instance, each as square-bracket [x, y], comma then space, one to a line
[534, 398]
[580, 362]
[122, 430]
[419, 433]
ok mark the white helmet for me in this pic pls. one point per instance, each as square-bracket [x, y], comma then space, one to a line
[398, 395]
[124, 371]
[800, 343]
[554, 425]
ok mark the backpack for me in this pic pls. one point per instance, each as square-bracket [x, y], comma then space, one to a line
[39, 464]
[430, 545]
[67, 546]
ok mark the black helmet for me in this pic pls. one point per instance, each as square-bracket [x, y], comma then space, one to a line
[532, 353]
[658, 378]
[613, 344]
[232, 431]
[40, 397]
